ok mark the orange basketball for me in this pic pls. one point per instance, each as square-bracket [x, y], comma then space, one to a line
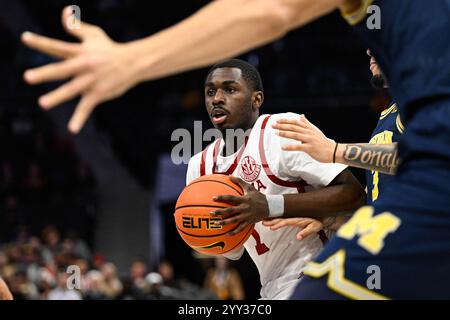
[198, 228]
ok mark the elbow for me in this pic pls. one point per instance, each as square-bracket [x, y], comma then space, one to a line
[362, 200]
[359, 198]
[355, 197]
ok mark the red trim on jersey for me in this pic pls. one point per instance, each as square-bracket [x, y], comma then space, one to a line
[203, 162]
[260, 247]
[323, 237]
[235, 161]
[300, 185]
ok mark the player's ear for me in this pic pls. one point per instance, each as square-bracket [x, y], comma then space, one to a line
[257, 100]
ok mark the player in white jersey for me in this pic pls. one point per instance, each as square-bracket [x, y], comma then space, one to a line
[277, 183]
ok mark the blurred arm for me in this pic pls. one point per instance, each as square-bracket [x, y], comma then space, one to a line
[5, 294]
[223, 29]
[101, 69]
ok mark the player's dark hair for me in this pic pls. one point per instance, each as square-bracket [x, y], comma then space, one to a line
[249, 72]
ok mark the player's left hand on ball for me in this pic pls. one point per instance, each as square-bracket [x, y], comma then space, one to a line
[308, 226]
[250, 208]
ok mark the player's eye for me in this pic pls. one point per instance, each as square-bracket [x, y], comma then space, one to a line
[230, 90]
[210, 92]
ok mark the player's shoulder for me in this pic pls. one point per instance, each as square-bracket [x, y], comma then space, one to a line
[195, 159]
[193, 169]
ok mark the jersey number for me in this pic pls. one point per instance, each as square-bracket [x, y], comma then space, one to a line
[260, 247]
[375, 186]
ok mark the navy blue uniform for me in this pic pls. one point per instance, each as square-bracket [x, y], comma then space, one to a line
[388, 130]
[400, 247]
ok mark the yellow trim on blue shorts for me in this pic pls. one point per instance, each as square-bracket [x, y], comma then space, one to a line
[399, 124]
[334, 267]
[356, 16]
[388, 111]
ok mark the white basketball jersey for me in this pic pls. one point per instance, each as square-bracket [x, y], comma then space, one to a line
[278, 255]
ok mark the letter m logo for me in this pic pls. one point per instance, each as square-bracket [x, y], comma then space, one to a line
[371, 230]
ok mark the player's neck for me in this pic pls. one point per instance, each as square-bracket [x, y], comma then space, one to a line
[233, 143]
[234, 139]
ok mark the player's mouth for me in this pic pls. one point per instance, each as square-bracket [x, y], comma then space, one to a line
[218, 115]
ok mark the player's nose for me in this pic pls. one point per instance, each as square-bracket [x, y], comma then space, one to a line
[219, 98]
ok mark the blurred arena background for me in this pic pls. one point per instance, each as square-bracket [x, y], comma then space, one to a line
[104, 199]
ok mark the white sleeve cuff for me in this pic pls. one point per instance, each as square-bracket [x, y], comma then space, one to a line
[276, 205]
[235, 254]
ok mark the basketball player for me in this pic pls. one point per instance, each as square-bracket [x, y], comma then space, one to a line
[276, 183]
[321, 148]
[387, 132]
[5, 294]
[408, 42]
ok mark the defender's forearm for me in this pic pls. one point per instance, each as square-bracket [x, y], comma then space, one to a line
[223, 29]
[378, 157]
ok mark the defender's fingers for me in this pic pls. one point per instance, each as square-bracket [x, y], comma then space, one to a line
[294, 129]
[55, 71]
[301, 122]
[52, 47]
[294, 147]
[288, 127]
[82, 113]
[71, 22]
[308, 230]
[271, 222]
[65, 92]
[282, 223]
[305, 120]
[293, 135]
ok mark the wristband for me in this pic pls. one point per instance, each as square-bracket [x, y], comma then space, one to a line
[275, 203]
[334, 153]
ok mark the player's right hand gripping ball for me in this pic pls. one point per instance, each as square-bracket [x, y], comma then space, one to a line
[198, 228]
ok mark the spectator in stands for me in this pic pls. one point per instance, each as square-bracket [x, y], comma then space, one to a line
[224, 281]
[62, 292]
[112, 286]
